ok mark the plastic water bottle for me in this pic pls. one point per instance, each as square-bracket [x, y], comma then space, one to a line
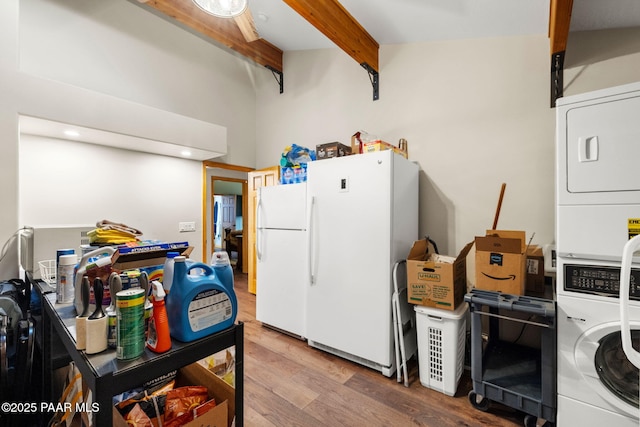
[65, 279]
[167, 271]
[222, 268]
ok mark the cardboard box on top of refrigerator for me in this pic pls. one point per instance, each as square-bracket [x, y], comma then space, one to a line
[379, 145]
[435, 280]
[535, 270]
[501, 261]
[332, 149]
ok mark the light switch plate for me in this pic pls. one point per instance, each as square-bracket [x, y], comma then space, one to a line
[186, 226]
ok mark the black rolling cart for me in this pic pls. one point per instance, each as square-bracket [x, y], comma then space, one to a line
[106, 376]
[513, 374]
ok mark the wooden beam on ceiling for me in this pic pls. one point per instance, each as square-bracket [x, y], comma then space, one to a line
[222, 30]
[335, 22]
[559, 23]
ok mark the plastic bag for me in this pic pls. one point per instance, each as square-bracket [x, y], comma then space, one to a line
[295, 155]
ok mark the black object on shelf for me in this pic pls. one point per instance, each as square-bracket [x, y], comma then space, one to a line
[515, 375]
[106, 376]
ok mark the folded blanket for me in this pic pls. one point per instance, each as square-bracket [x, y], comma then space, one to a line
[111, 233]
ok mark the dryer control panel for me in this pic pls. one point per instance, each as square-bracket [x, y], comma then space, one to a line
[599, 280]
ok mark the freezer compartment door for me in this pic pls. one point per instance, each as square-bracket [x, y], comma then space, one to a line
[282, 206]
[349, 301]
[281, 281]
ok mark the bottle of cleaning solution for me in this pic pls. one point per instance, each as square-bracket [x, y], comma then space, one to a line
[65, 280]
[159, 339]
[167, 271]
[198, 305]
[222, 268]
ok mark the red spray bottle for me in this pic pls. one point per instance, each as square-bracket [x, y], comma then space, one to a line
[159, 339]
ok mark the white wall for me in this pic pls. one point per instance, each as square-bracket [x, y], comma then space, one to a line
[118, 48]
[476, 113]
[149, 192]
[77, 61]
[601, 59]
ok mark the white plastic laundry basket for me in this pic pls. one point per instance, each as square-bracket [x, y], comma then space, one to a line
[441, 345]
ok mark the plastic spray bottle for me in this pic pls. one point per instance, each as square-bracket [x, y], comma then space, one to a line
[159, 339]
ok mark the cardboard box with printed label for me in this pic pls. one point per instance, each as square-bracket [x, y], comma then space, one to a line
[378, 145]
[435, 280]
[501, 261]
[535, 270]
[332, 149]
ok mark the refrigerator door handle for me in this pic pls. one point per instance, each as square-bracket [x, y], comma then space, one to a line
[625, 277]
[310, 240]
[258, 228]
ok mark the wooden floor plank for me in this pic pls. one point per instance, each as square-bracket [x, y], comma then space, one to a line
[288, 383]
[340, 405]
[277, 377]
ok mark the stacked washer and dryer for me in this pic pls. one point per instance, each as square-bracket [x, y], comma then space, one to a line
[597, 212]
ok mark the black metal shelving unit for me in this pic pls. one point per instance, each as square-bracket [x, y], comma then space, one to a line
[515, 375]
[106, 376]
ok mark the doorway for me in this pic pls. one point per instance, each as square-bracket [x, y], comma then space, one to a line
[226, 185]
[227, 220]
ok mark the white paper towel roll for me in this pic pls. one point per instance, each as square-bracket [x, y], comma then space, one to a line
[96, 335]
[81, 333]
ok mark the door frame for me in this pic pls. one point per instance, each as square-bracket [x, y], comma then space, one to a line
[207, 198]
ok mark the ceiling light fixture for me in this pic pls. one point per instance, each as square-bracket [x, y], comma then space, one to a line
[222, 8]
[72, 133]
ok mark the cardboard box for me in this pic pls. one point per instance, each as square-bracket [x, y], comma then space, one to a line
[293, 175]
[144, 259]
[378, 145]
[332, 149]
[535, 270]
[435, 280]
[501, 261]
[355, 144]
[195, 374]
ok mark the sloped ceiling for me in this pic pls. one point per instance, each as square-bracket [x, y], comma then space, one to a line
[359, 27]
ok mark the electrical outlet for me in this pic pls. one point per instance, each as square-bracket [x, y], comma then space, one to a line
[186, 226]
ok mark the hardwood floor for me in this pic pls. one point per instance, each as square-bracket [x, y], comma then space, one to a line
[288, 383]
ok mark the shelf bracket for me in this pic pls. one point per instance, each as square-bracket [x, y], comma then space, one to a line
[557, 68]
[279, 76]
[373, 76]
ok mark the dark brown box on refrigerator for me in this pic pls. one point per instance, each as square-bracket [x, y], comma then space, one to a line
[332, 149]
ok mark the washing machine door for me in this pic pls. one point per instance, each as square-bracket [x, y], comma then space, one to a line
[629, 343]
[602, 362]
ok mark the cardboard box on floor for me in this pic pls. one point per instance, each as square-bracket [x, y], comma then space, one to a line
[221, 415]
[435, 280]
[501, 261]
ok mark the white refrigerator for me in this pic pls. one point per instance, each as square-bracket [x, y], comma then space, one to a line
[281, 269]
[363, 217]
